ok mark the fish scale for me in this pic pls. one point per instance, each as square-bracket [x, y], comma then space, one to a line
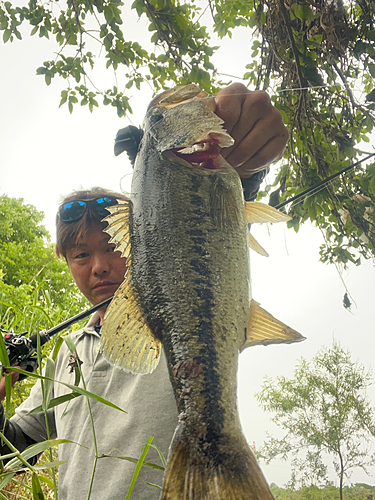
[188, 289]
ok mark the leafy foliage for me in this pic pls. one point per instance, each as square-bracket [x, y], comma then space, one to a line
[324, 410]
[317, 59]
[36, 289]
[356, 492]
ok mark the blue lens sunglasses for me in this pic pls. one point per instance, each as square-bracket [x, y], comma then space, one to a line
[74, 210]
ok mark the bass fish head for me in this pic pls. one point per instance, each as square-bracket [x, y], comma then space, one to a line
[181, 122]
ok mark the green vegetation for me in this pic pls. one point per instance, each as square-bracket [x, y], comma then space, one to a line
[356, 492]
[36, 289]
[324, 411]
[317, 60]
[37, 292]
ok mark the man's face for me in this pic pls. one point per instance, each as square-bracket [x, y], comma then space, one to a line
[96, 268]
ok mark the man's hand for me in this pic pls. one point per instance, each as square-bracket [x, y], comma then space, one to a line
[256, 126]
[15, 377]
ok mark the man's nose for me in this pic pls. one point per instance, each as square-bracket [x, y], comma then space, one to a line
[100, 265]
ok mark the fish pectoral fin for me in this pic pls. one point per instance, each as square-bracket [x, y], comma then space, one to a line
[126, 339]
[264, 329]
[118, 226]
[259, 213]
[254, 245]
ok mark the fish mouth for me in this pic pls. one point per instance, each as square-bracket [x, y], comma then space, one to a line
[206, 153]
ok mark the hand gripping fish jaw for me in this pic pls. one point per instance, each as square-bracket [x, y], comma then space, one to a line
[187, 289]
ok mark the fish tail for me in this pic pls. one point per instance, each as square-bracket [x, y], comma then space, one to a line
[197, 473]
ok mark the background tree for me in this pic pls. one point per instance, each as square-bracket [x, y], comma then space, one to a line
[316, 58]
[36, 289]
[324, 410]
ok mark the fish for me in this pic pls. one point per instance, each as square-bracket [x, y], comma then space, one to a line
[187, 290]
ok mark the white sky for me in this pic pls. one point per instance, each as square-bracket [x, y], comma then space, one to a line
[45, 153]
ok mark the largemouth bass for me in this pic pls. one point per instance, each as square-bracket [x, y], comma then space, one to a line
[185, 235]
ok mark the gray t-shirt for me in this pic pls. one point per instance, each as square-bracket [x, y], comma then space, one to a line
[151, 411]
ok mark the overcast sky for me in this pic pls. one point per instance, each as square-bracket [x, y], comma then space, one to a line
[45, 153]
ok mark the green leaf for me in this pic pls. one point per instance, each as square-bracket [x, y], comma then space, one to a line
[5, 478]
[253, 21]
[46, 479]
[70, 344]
[36, 488]
[35, 449]
[155, 485]
[138, 467]
[145, 464]
[60, 340]
[56, 401]
[372, 185]
[4, 359]
[371, 68]
[303, 12]
[49, 465]
[8, 389]
[48, 383]
[74, 388]
[6, 35]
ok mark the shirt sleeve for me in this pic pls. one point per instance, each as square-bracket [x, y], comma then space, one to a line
[34, 425]
[16, 436]
[252, 184]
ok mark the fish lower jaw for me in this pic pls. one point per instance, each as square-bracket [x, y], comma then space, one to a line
[202, 156]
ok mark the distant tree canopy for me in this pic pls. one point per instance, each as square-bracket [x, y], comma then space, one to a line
[36, 289]
[325, 411]
[316, 59]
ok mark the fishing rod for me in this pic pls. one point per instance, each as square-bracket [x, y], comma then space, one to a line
[324, 182]
[21, 350]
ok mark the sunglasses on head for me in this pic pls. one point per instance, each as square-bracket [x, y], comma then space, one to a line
[73, 210]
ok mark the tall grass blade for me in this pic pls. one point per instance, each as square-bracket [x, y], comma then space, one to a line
[56, 401]
[4, 359]
[74, 388]
[8, 393]
[56, 349]
[48, 384]
[161, 456]
[138, 467]
[35, 449]
[36, 488]
[155, 485]
[5, 478]
[135, 461]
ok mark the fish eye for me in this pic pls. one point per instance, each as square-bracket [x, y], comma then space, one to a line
[156, 117]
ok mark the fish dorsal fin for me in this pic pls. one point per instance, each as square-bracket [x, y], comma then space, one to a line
[259, 213]
[254, 245]
[264, 329]
[118, 226]
[126, 339]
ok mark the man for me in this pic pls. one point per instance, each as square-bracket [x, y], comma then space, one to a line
[103, 437]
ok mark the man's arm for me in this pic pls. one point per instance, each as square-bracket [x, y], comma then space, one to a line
[13, 432]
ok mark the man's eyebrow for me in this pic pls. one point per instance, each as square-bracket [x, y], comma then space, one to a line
[77, 245]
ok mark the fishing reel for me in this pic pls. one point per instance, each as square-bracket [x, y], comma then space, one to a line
[21, 350]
